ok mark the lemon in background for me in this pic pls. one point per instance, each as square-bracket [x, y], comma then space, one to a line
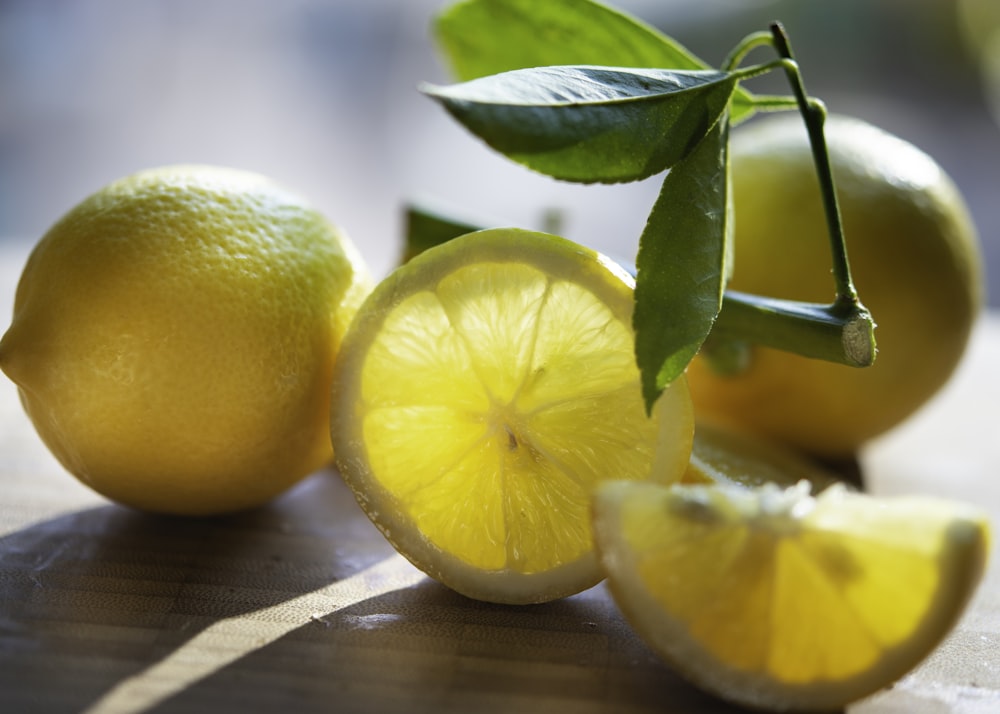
[174, 335]
[979, 30]
[915, 259]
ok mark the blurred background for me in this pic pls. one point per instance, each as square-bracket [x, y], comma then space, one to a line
[321, 95]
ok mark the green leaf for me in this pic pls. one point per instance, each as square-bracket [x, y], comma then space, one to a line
[425, 228]
[591, 124]
[485, 37]
[682, 264]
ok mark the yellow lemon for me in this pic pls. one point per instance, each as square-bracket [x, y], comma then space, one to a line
[915, 258]
[777, 599]
[482, 391]
[174, 335]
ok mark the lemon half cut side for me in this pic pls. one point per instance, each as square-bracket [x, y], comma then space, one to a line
[727, 455]
[482, 391]
[777, 599]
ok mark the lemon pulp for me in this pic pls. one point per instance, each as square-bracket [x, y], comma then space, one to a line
[725, 455]
[776, 598]
[489, 385]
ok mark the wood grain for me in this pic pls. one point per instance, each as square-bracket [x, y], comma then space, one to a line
[301, 606]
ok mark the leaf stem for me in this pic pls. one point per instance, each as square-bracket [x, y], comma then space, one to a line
[773, 103]
[814, 115]
[746, 45]
[841, 332]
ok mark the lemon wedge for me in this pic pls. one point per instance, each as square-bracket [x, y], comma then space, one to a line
[481, 392]
[778, 599]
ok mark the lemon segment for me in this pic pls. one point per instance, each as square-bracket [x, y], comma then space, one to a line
[780, 599]
[484, 389]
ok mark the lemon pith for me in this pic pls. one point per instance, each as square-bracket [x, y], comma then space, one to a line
[779, 599]
[491, 383]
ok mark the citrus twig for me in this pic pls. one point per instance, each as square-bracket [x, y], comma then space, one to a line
[841, 332]
[747, 45]
[814, 115]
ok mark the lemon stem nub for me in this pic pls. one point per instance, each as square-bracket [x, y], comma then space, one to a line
[835, 333]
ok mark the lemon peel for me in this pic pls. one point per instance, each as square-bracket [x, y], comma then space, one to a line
[174, 335]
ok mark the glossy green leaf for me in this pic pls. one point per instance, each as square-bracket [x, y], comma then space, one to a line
[425, 228]
[485, 37]
[591, 124]
[682, 264]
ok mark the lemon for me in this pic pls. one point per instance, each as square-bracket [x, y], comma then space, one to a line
[482, 391]
[782, 600]
[915, 258]
[724, 455]
[174, 335]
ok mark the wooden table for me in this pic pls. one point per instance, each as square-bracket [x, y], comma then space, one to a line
[301, 606]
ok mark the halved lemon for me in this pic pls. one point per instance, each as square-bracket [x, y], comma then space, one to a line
[482, 391]
[777, 599]
[725, 455]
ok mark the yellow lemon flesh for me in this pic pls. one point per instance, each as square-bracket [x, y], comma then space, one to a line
[915, 259]
[174, 336]
[724, 455]
[484, 388]
[777, 599]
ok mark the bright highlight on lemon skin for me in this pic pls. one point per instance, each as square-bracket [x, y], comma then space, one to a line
[483, 390]
[778, 599]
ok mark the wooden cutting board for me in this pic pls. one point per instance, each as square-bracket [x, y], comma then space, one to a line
[302, 606]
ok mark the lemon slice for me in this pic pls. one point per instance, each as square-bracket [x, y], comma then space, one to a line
[724, 455]
[778, 599]
[481, 392]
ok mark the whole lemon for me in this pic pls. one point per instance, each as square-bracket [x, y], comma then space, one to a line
[915, 259]
[174, 336]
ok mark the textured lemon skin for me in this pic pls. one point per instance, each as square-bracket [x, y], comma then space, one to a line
[174, 335]
[915, 259]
